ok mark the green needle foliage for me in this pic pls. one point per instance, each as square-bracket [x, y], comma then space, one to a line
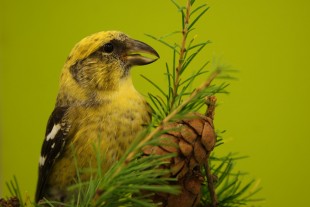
[230, 189]
[135, 178]
[179, 85]
[15, 190]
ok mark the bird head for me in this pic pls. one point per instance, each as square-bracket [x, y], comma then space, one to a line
[100, 61]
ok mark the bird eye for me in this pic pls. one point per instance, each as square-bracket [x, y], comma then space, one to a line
[108, 48]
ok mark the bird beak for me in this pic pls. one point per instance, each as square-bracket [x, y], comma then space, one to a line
[134, 51]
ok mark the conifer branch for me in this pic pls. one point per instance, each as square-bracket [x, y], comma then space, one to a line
[123, 183]
[172, 115]
[182, 54]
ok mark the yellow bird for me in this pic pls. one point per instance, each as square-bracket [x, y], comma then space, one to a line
[96, 99]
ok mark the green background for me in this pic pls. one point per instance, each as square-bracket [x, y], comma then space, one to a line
[266, 114]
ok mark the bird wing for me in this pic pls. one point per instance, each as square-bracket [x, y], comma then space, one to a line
[55, 139]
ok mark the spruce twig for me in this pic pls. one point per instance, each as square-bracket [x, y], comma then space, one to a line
[182, 53]
[175, 112]
[122, 184]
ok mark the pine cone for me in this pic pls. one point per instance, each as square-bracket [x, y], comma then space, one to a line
[192, 139]
[10, 202]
